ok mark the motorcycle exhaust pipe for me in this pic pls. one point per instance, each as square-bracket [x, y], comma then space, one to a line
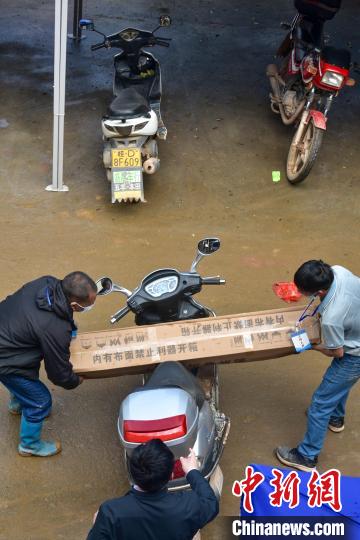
[151, 165]
[107, 156]
[273, 74]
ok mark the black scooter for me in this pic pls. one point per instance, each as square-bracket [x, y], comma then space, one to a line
[171, 397]
[133, 120]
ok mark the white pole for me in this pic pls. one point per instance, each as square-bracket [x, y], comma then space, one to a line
[61, 10]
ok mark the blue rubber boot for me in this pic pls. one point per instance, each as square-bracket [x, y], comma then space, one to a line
[30, 442]
[14, 406]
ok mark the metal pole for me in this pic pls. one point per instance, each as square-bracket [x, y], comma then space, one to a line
[61, 10]
[78, 10]
[77, 16]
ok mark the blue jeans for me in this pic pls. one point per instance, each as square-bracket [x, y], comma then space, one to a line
[329, 401]
[33, 396]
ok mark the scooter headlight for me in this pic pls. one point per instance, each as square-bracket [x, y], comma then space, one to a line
[331, 78]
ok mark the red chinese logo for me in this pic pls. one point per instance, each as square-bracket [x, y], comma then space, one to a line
[325, 489]
[247, 486]
[285, 490]
[321, 489]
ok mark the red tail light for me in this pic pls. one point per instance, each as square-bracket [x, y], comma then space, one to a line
[177, 470]
[166, 429]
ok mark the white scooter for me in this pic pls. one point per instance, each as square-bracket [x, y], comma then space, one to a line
[133, 121]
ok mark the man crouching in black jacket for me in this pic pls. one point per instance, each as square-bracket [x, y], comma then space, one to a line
[36, 323]
[149, 511]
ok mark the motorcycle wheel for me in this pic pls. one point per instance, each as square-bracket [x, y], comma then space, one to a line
[301, 158]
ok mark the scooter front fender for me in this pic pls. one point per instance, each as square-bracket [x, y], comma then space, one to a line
[318, 118]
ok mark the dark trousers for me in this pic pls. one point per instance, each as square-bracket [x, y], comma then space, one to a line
[33, 396]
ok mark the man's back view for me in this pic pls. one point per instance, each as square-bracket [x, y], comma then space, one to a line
[148, 511]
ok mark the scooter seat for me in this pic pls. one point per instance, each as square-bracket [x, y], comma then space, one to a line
[128, 104]
[175, 374]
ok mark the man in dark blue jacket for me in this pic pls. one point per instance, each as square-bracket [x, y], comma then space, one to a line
[149, 511]
[36, 323]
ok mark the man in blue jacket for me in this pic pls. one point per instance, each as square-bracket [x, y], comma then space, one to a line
[149, 511]
[36, 323]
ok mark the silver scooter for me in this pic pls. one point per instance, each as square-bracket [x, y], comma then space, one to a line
[179, 406]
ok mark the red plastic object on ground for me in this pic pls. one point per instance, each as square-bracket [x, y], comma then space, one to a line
[287, 291]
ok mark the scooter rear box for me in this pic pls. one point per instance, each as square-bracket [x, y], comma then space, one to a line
[245, 337]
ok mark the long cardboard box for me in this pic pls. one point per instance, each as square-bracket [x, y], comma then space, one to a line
[233, 338]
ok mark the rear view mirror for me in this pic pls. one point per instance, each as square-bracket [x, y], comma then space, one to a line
[208, 246]
[165, 20]
[104, 286]
[86, 24]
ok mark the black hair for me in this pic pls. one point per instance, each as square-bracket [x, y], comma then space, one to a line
[313, 276]
[151, 465]
[77, 286]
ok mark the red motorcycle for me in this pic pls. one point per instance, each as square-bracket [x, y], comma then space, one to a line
[304, 87]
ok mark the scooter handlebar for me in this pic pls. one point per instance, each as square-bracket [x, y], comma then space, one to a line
[162, 42]
[119, 314]
[98, 46]
[215, 280]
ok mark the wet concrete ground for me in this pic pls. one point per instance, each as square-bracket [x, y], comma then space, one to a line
[215, 178]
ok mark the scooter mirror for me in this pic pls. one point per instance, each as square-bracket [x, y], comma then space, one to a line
[165, 20]
[86, 24]
[104, 286]
[207, 246]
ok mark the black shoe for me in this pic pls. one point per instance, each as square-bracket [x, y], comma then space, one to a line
[293, 458]
[336, 424]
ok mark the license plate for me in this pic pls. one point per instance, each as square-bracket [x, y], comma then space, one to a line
[126, 158]
[127, 185]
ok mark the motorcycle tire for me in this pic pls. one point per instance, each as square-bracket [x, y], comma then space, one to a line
[301, 158]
